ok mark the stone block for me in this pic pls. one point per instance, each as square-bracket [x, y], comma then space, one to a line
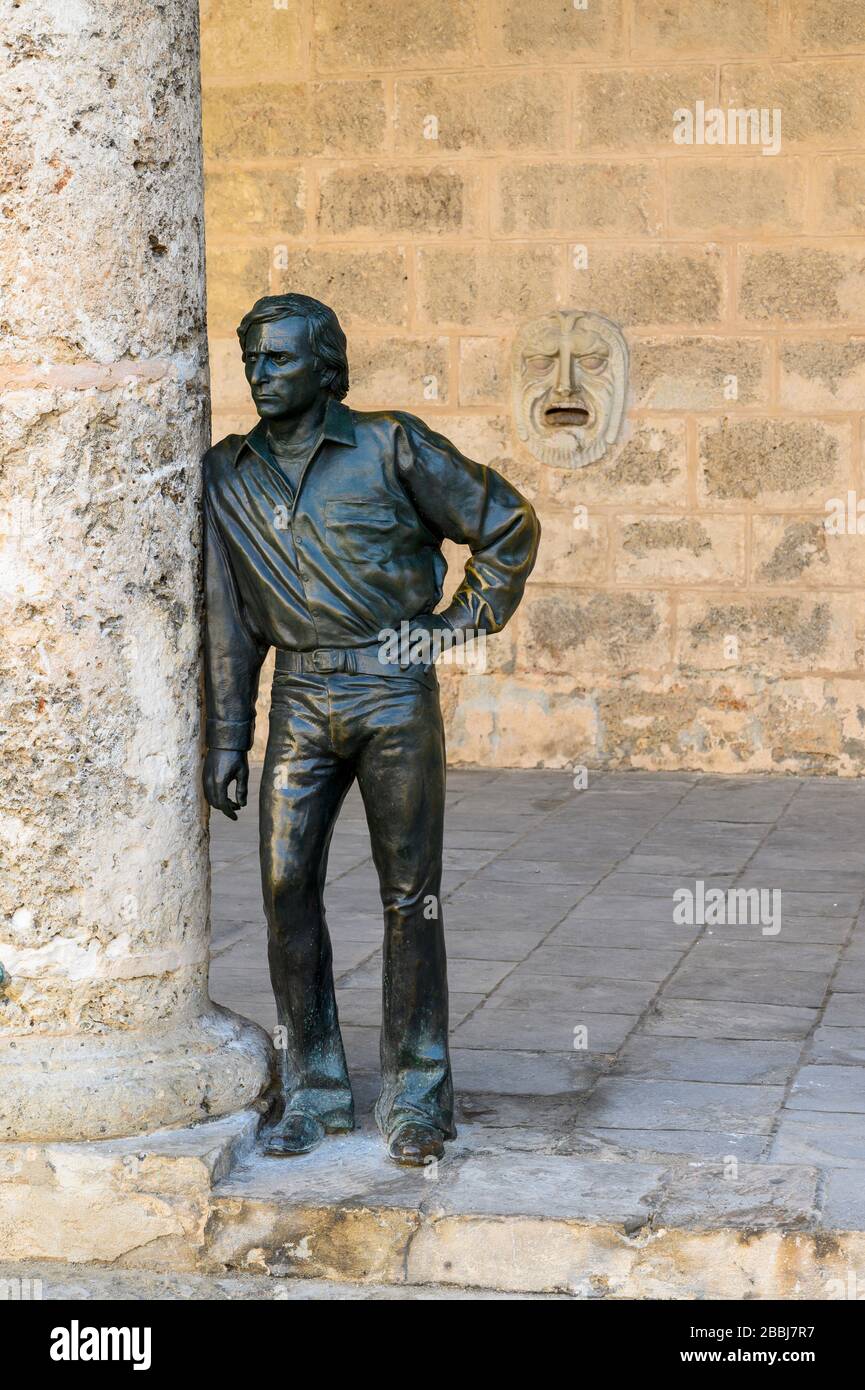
[363, 287]
[490, 724]
[587, 634]
[821, 103]
[752, 194]
[476, 287]
[622, 109]
[772, 462]
[647, 466]
[841, 193]
[824, 26]
[294, 120]
[822, 373]
[398, 373]
[481, 113]
[361, 34]
[235, 279]
[241, 203]
[605, 199]
[783, 633]
[380, 202]
[699, 28]
[679, 550]
[484, 371]
[236, 38]
[574, 549]
[798, 550]
[698, 373]
[551, 32]
[802, 284]
[644, 285]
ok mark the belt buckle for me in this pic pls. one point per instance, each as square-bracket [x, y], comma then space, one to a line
[326, 662]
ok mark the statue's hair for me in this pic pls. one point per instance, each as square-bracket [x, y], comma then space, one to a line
[326, 338]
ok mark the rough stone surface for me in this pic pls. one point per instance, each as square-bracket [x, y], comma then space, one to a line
[706, 1141]
[105, 1023]
[442, 177]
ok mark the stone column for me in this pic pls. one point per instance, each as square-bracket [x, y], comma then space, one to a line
[106, 1027]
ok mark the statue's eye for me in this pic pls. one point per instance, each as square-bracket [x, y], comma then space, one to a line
[538, 365]
[593, 364]
[281, 358]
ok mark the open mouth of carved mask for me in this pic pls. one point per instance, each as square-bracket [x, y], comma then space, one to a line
[561, 416]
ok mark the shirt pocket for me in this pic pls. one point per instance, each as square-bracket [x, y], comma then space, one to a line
[361, 530]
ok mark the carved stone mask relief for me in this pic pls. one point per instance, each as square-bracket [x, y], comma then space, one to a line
[570, 376]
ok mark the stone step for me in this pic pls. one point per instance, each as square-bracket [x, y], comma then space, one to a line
[204, 1201]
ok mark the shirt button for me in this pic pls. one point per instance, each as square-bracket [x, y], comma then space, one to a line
[298, 540]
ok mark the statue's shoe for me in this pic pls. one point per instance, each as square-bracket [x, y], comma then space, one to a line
[412, 1144]
[296, 1133]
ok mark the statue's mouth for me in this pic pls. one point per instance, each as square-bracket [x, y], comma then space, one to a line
[560, 416]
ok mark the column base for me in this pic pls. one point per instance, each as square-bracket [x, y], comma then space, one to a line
[113, 1085]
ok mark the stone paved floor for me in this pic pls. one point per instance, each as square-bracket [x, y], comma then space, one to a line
[725, 1051]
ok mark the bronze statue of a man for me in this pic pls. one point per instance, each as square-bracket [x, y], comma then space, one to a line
[323, 531]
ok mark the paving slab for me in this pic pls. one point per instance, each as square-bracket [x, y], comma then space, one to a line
[702, 1059]
[527, 988]
[647, 1104]
[701, 1018]
[741, 985]
[716, 1086]
[836, 1088]
[547, 1030]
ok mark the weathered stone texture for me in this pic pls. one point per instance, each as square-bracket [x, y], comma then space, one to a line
[802, 284]
[770, 460]
[689, 373]
[841, 194]
[245, 204]
[105, 1023]
[632, 108]
[234, 39]
[640, 286]
[363, 34]
[692, 549]
[827, 26]
[550, 32]
[483, 115]
[802, 552]
[466, 286]
[368, 285]
[378, 201]
[441, 176]
[384, 369]
[294, 120]
[752, 195]
[820, 102]
[700, 27]
[611, 199]
[822, 374]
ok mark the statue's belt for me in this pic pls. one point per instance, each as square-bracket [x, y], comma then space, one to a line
[327, 661]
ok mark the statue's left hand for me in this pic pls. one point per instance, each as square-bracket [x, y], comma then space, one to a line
[222, 766]
[427, 623]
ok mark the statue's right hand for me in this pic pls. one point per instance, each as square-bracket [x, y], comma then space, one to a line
[222, 766]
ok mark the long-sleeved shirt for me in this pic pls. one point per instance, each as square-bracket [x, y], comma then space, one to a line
[354, 549]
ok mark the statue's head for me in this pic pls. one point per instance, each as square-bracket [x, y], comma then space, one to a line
[569, 378]
[294, 351]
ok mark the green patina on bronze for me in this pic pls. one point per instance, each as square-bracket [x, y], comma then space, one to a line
[323, 529]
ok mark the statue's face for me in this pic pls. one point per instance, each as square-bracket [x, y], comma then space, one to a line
[569, 378]
[280, 368]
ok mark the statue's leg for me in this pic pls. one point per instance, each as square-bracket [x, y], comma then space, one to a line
[401, 774]
[303, 786]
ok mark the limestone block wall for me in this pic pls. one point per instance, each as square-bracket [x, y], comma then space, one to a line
[439, 173]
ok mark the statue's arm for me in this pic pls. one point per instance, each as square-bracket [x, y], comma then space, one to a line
[475, 506]
[232, 665]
